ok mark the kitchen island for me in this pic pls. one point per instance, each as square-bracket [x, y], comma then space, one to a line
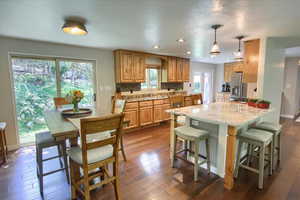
[223, 120]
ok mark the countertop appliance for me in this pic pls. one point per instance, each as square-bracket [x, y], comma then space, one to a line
[238, 88]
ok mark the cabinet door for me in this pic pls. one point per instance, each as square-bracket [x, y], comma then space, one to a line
[132, 116]
[126, 65]
[158, 113]
[179, 70]
[186, 70]
[165, 115]
[251, 57]
[146, 116]
[139, 68]
[228, 68]
[171, 69]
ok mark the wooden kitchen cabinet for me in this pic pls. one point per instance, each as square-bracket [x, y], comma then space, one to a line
[129, 67]
[133, 116]
[165, 115]
[146, 115]
[251, 59]
[158, 113]
[228, 69]
[139, 68]
[176, 70]
[179, 70]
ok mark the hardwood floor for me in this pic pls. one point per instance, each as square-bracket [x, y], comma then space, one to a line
[147, 174]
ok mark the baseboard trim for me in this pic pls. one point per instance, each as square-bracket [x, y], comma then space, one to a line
[13, 147]
[287, 116]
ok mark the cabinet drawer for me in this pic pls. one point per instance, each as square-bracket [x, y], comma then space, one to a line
[188, 98]
[167, 101]
[158, 102]
[146, 103]
[131, 105]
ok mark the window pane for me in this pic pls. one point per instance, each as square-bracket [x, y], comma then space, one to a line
[35, 88]
[153, 78]
[79, 76]
[197, 83]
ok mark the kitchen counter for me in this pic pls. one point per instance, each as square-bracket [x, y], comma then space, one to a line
[223, 120]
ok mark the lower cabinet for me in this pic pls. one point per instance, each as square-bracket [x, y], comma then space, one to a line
[158, 113]
[146, 115]
[165, 115]
[133, 117]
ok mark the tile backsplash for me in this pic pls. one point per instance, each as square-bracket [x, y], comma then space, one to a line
[127, 87]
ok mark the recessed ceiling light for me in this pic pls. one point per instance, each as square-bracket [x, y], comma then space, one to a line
[181, 40]
[156, 46]
[74, 28]
[188, 52]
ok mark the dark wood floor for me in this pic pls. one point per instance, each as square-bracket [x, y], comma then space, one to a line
[147, 174]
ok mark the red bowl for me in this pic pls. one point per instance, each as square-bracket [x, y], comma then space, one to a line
[263, 105]
[251, 103]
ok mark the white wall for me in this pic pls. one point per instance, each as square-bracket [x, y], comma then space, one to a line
[291, 90]
[199, 67]
[219, 79]
[104, 73]
[271, 71]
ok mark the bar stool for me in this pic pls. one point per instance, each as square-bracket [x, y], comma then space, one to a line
[194, 136]
[276, 130]
[258, 138]
[45, 140]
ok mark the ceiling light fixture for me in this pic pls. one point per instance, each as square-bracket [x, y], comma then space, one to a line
[181, 40]
[188, 52]
[74, 28]
[238, 56]
[215, 50]
[156, 46]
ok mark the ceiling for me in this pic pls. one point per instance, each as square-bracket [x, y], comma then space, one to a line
[140, 24]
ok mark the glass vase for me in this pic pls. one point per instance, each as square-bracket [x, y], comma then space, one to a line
[76, 108]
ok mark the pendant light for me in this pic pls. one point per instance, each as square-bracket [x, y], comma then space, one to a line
[238, 56]
[215, 50]
[74, 28]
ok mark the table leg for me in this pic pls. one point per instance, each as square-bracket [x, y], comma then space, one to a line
[230, 158]
[173, 125]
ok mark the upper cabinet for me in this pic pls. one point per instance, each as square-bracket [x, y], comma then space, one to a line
[249, 66]
[176, 70]
[251, 59]
[129, 67]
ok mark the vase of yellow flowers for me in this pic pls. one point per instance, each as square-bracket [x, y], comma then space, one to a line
[74, 97]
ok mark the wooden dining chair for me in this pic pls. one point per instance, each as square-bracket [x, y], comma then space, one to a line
[197, 99]
[118, 106]
[93, 157]
[60, 101]
[176, 101]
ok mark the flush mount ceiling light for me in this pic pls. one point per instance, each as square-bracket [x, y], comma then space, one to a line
[215, 50]
[238, 55]
[156, 46]
[74, 28]
[181, 40]
[188, 52]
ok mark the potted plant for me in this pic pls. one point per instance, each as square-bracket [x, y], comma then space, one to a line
[74, 97]
[263, 104]
[252, 102]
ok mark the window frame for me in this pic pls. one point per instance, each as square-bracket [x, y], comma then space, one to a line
[147, 80]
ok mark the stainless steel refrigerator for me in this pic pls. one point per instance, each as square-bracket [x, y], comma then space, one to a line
[238, 88]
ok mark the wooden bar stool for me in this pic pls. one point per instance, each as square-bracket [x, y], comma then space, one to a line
[45, 140]
[276, 130]
[194, 136]
[258, 138]
[3, 143]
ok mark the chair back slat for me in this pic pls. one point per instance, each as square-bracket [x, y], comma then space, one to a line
[118, 105]
[60, 101]
[100, 124]
[100, 143]
[177, 101]
[197, 99]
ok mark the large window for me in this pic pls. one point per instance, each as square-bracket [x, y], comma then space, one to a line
[152, 79]
[38, 81]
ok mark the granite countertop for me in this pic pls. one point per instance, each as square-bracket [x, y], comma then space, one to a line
[233, 114]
